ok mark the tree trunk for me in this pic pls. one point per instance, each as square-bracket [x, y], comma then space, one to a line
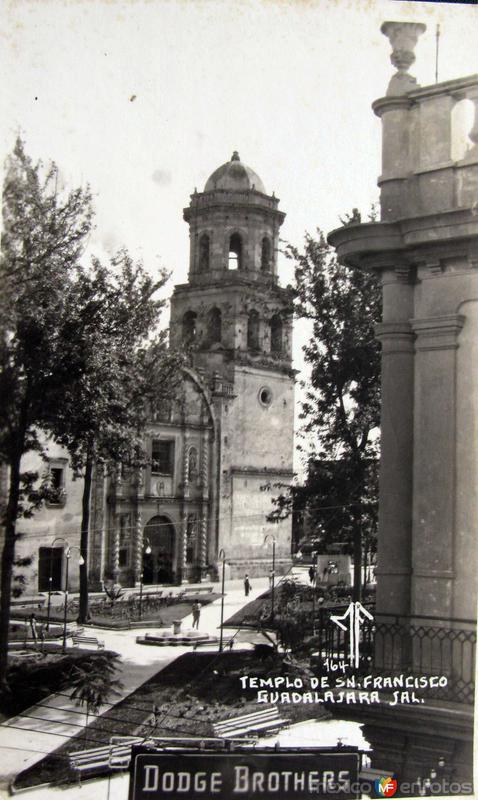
[85, 529]
[8, 558]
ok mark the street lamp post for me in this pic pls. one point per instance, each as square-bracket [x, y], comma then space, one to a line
[81, 561]
[222, 555]
[50, 578]
[266, 537]
[49, 597]
[148, 551]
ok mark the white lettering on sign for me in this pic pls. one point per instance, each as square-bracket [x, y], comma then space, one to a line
[172, 782]
[151, 776]
[247, 781]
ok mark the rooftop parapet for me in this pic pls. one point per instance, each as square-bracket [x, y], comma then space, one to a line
[421, 172]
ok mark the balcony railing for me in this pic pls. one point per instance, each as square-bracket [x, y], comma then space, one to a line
[410, 645]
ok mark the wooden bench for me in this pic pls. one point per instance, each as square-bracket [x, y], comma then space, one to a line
[225, 643]
[78, 638]
[191, 592]
[101, 759]
[256, 722]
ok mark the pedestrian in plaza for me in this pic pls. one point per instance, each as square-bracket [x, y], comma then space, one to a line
[271, 578]
[312, 574]
[247, 585]
[196, 610]
[33, 627]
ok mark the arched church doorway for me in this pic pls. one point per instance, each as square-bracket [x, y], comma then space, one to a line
[158, 564]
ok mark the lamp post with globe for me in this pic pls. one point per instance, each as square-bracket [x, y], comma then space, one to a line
[68, 550]
[147, 550]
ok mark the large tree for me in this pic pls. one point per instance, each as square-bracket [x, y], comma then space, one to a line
[44, 233]
[341, 407]
[123, 370]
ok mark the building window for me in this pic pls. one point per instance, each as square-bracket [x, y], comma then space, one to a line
[235, 252]
[189, 327]
[57, 475]
[193, 465]
[276, 334]
[214, 326]
[265, 396]
[203, 264]
[50, 565]
[266, 254]
[123, 557]
[253, 330]
[162, 457]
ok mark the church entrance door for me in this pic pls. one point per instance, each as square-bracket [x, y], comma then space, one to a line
[158, 566]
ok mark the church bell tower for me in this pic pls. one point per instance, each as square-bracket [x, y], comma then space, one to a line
[235, 321]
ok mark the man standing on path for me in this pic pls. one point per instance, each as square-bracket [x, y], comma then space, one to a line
[247, 585]
[33, 628]
[196, 609]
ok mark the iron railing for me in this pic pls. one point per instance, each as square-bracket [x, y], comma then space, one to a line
[393, 645]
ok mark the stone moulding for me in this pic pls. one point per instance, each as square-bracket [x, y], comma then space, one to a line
[377, 245]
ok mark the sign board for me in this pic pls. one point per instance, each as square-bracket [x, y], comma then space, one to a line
[250, 775]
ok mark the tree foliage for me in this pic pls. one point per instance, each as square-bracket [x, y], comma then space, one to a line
[341, 407]
[93, 682]
[44, 232]
[80, 358]
[123, 370]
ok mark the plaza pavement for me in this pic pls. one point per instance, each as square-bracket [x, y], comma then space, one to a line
[28, 737]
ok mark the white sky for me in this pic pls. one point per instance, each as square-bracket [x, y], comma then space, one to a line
[288, 84]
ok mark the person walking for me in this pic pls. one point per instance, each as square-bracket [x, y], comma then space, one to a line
[247, 585]
[312, 574]
[33, 628]
[196, 610]
[271, 578]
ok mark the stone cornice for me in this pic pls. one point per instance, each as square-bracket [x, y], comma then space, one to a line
[243, 282]
[437, 333]
[395, 337]
[384, 104]
[409, 241]
[289, 473]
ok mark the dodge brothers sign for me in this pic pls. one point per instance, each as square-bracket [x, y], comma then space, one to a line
[250, 775]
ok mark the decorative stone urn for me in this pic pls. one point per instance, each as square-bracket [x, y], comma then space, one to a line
[403, 37]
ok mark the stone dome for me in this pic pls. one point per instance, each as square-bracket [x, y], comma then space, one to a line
[234, 176]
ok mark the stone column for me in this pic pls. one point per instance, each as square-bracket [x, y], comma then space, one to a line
[140, 483]
[396, 465]
[203, 539]
[116, 547]
[138, 553]
[434, 464]
[205, 465]
[186, 468]
[182, 546]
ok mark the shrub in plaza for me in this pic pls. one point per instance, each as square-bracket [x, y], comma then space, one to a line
[31, 681]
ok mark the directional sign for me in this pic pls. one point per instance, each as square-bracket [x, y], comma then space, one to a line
[250, 775]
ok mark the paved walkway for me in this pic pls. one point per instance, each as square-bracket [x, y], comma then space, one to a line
[26, 738]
